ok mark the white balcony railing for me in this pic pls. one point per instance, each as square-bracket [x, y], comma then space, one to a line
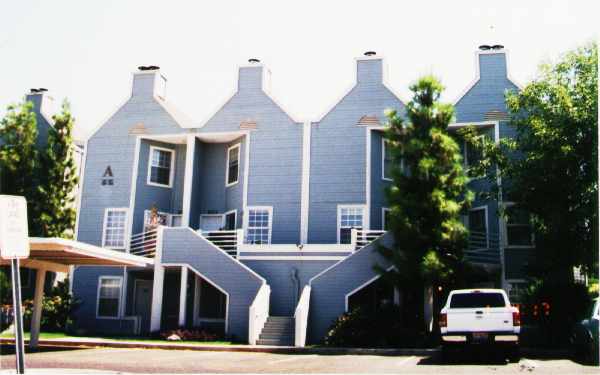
[227, 240]
[301, 317]
[362, 237]
[483, 247]
[144, 244]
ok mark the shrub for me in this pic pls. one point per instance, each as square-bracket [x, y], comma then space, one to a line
[57, 309]
[554, 309]
[373, 328]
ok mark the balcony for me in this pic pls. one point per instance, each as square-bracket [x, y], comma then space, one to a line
[483, 247]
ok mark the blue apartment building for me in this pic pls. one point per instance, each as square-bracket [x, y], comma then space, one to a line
[261, 226]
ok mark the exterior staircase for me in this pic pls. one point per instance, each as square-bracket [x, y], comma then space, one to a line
[278, 331]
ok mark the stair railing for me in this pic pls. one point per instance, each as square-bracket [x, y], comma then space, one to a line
[258, 313]
[362, 237]
[301, 317]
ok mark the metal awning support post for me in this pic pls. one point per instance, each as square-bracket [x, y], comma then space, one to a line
[38, 298]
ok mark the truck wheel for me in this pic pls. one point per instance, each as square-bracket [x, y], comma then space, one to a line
[513, 355]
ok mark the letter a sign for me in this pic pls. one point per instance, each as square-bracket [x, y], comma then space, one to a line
[14, 235]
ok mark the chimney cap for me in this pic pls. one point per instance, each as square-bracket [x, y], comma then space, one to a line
[38, 90]
[148, 67]
[370, 53]
[253, 60]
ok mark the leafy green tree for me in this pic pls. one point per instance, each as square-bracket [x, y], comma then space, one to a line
[549, 169]
[18, 153]
[426, 198]
[57, 206]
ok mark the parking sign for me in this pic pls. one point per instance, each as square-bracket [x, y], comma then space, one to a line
[14, 234]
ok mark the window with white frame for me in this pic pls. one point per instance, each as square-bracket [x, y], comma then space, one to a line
[259, 225]
[387, 160]
[349, 217]
[115, 224]
[518, 227]
[385, 218]
[161, 166]
[478, 231]
[109, 296]
[233, 165]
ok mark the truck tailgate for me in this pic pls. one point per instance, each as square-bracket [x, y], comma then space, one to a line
[480, 320]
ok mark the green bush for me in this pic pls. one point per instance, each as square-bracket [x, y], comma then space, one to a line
[58, 307]
[559, 308]
[381, 328]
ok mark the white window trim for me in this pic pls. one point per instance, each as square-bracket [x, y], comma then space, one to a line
[98, 316]
[121, 209]
[237, 179]
[487, 224]
[246, 219]
[383, 211]
[171, 168]
[383, 146]
[225, 218]
[505, 225]
[339, 216]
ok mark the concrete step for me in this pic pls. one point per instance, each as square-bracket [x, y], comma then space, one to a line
[278, 330]
[267, 336]
[275, 342]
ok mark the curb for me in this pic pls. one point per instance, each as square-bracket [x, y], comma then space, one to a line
[533, 352]
[228, 348]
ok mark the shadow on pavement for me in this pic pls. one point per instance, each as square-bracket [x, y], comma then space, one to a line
[10, 349]
[465, 358]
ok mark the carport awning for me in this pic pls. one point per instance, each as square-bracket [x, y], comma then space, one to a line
[57, 254]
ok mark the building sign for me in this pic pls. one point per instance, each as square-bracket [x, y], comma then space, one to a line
[14, 234]
[107, 177]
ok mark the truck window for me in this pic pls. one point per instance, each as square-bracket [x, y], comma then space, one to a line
[474, 300]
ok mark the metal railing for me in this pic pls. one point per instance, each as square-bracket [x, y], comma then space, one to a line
[144, 244]
[362, 237]
[226, 240]
[483, 247]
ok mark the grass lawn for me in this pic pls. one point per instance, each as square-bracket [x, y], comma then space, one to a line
[59, 335]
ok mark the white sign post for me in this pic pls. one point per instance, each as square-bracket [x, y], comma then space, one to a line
[14, 245]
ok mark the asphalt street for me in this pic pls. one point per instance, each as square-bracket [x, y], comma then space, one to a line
[186, 361]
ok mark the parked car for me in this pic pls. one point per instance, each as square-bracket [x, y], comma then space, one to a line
[585, 336]
[482, 318]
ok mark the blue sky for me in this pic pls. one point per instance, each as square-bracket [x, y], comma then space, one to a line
[86, 50]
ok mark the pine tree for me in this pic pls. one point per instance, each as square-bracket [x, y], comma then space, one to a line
[426, 198]
[57, 201]
[19, 158]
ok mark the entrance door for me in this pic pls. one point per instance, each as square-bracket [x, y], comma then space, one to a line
[142, 303]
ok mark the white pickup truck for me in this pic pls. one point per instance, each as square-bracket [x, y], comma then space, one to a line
[480, 316]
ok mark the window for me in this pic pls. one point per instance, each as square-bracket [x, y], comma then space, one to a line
[471, 155]
[349, 217]
[259, 225]
[161, 166]
[109, 296]
[477, 299]
[518, 227]
[478, 236]
[233, 165]
[115, 222]
[386, 156]
[385, 218]
[230, 220]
